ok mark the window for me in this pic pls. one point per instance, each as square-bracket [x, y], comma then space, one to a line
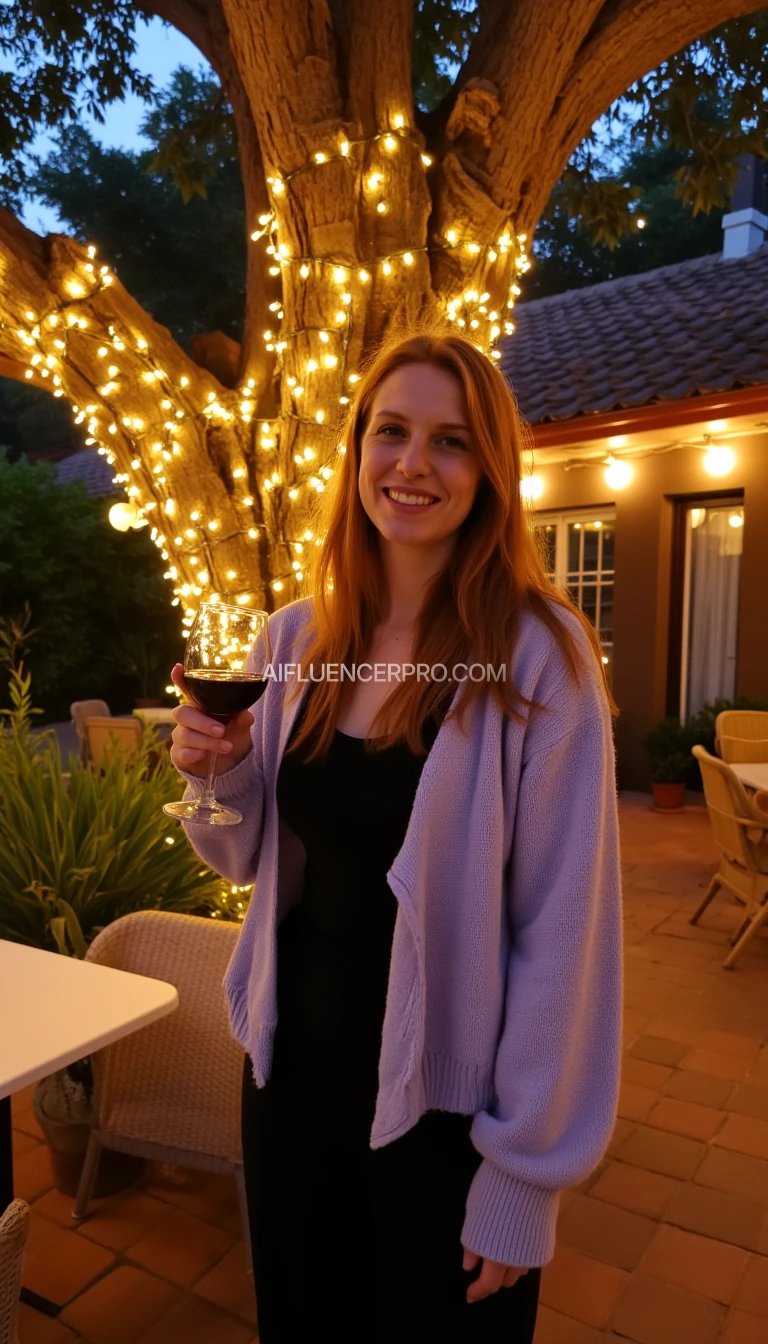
[577, 549]
[714, 533]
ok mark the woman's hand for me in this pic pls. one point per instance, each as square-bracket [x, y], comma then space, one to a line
[491, 1278]
[196, 734]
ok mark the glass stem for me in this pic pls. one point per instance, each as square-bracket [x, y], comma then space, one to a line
[208, 799]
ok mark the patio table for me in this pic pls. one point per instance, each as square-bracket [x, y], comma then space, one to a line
[55, 1010]
[754, 775]
[158, 715]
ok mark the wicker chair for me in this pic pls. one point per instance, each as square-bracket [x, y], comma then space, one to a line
[14, 1230]
[741, 834]
[82, 710]
[106, 734]
[171, 1091]
[741, 736]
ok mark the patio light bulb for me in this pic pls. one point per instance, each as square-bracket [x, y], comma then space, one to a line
[618, 474]
[719, 461]
[532, 487]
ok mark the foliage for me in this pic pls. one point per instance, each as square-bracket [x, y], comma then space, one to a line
[441, 36]
[30, 418]
[668, 745]
[85, 583]
[79, 854]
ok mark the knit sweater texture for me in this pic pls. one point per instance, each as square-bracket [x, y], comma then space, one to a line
[505, 985]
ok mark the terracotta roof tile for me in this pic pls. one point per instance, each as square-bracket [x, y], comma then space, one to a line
[696, 327]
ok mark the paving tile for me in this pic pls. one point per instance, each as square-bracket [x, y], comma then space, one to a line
[716, 1214]
[181, 1248]
[56, 1206]
[64, 1266]
[752, 1295]
[194, 1321]
[578, 1286]
[728, 1043]
[672, 1030]
[684, 1117]
[32, 1174]
[748, 1100]
[644, 1073]
[121, 1307]
[736, 1174]
[203, 1194]
[744, 1134]
[608, 1233]
[652, 1312]
[636, 1103]
[621, 1131]
[742, 1328]
[121, 1221]
[634, 1189]
[42, 1231]
[709, 1268]
[35, 1328]
[554, 1328]
[716, 1063]
[229, 1285]
[23, 1143]
[24, 1119]
[703, 1089]
[669, 1154]
[758, 1074]
[659, 1050]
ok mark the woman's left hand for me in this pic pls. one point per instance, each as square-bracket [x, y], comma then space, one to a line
[491, 1278]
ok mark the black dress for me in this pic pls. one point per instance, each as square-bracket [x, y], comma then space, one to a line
[351, 1244]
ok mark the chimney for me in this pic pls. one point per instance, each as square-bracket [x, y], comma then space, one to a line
[745, 228]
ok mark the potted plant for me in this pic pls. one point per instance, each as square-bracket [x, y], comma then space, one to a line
[140, 655]
[74, 859]
[668, 746]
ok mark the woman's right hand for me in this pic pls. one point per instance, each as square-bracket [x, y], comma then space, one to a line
[195, 735]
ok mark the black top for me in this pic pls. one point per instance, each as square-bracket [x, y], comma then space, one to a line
[350, 811]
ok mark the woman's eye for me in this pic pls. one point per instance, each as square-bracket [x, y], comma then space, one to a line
[453, 442]
[386, 428]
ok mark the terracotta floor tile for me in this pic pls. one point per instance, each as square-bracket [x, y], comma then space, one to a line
[642, 1072]
[748, 1100]
[42, 1231]
[636, 1103]
[684, 1117]
[35, 1328]
[752, 1295]
[718, 1215]
[23, 1143]
[728, 1043]
[744, 1134]
[32, 1174]
[120, 1221]
[652, 1312]
[194, 1321]
[669, 1154]
[758, 1075]
[24, 1119]
[742, 1328]
[57, 1207]
[64, 1266]
[709, 1268]
[746, 1177]
[621, 1131]
[701, 1088]
[576, 1285]
[230, 1286]
[659, 1050]
[712, 1061]
[203, 1194]
[634, 1189]
[672, 1030]
[608, 1233]
[121, 1307]
[554, 1328]
[181, 1249]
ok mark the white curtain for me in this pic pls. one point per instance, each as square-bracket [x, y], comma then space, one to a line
[714, 607]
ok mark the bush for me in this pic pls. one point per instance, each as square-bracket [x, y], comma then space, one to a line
[669, 748]
[76, 857]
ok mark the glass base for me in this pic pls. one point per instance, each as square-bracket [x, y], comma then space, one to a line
[204, 814]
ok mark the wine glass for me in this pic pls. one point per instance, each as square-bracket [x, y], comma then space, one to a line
[227, 654]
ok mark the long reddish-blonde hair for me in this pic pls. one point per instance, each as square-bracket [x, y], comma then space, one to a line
[473, 607]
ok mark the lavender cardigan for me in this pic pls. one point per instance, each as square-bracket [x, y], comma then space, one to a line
[505, 986]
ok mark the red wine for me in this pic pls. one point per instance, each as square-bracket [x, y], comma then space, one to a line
[222, 695]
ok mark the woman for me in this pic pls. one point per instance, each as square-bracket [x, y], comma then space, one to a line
[428, 980]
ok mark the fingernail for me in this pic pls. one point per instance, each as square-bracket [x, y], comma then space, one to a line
[216, 728]
[225, 746]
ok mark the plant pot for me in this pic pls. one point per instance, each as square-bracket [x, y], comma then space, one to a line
[668, 797]
[67, 1140]
[147, 703]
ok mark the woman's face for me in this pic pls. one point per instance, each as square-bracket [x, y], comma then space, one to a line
[417, 446]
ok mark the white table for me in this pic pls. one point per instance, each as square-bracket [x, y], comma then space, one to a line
[158, 715]
[755, 776]
[55, 1010]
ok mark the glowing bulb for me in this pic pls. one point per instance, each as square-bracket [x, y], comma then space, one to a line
[363, 275]
[387, 268]
[719, 461]
[618, 474]
[398, 121]
[390, 142]
[339, 275]
[532, 487]
[408, 258]
[304, 271]
[426, 159]
[641, 223]
[321, 158]
[736, 520]
[451, 235]
[374, 180]
[381, 208]
[344, 148]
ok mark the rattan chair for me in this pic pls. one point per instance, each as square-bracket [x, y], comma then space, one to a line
[14, 1230]
[741, 736]
[106, 734]
[171, 1091]
[741, 834]
[82, 710]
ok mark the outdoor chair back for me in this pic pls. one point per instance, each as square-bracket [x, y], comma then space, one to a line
[741, 834]
[14, 1230]
[741, 736]
[106, 735]
[171, 1091]
[82, 710]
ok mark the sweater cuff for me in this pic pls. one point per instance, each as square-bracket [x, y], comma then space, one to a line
[229, 785]
[508, 1220]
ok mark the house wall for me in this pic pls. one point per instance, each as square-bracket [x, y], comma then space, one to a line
[644, 592]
